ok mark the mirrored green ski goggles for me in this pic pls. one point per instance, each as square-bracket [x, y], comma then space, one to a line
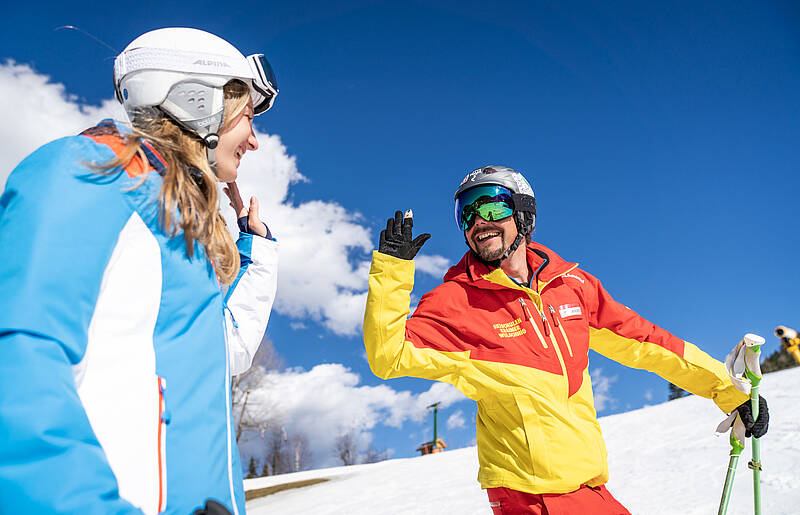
[490, 202]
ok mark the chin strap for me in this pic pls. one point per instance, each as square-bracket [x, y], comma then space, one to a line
[210, 140]
[517, 241]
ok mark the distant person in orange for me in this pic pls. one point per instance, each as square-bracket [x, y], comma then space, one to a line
[511, 327]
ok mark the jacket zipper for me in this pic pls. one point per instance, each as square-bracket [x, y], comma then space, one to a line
[561, 360]
[555, 343]
[533, 323]
[229, 422]
[561, 327]
[545, 324]
[530, 317]
[163, 422]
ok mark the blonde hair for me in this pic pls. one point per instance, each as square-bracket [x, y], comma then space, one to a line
[188, 202]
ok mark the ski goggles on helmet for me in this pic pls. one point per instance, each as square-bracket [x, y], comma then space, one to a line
[264, 82]
[490, 202]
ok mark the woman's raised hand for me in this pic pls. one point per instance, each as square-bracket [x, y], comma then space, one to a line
[249, 212]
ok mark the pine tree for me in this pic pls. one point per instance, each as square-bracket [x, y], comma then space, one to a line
[778, 360]
[251, 469]
[676, 392]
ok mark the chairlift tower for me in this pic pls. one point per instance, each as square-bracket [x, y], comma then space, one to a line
[435, 407]
[435, 445]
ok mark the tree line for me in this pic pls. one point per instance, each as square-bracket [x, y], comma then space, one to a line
[272, 448]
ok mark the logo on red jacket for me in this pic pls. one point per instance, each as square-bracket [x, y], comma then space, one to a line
[509, 329]
[569, 310]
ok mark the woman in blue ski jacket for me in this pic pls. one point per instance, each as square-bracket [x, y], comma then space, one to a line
[126, 305]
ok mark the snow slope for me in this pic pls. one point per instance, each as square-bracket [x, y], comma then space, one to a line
[664, 459]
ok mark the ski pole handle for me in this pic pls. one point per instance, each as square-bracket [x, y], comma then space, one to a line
[752, 366]
[753, 342]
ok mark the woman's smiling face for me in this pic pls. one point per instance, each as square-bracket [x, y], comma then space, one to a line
[234, 142]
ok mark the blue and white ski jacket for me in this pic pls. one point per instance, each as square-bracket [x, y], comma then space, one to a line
[116, 349]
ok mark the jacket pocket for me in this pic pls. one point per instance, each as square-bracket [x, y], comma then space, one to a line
[536, 440]
[503, 447]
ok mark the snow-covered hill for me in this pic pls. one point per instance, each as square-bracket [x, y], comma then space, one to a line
[664, 459]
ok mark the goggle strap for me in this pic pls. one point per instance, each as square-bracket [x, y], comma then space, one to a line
[180, 61]
[523, 202]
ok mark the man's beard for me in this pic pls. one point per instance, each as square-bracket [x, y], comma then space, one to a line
[487, 254]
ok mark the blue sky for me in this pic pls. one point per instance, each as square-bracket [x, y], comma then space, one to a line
[662, 142]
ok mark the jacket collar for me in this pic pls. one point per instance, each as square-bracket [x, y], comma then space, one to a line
[112, 133]
[474, 271]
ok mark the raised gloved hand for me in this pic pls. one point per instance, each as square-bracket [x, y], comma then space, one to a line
[396, 238]
[758, 427]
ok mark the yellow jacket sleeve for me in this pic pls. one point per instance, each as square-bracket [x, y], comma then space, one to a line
[389, 346]
[619, 333]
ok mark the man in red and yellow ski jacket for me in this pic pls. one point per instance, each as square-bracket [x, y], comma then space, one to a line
[518, 343]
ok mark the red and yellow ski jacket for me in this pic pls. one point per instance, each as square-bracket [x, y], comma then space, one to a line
[522, 354]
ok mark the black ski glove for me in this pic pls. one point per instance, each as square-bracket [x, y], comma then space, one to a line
[757, 428]
[396, 238]
[212, 507]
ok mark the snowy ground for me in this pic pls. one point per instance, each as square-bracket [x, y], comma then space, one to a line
[664, 459]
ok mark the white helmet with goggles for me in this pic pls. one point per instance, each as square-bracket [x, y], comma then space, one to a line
[182, 72]
[493, 193]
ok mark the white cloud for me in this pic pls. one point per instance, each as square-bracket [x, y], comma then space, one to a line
[327, 401]
[318, 276]
[601, 385]
[648, 395]
[324, 247]
[456, 420]
[434, 265]
[36, 111]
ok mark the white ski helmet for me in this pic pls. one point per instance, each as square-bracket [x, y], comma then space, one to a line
[182, 72]
[523, 200]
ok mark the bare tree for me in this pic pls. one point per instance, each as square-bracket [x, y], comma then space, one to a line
[277, 452]
[346, 448]
[284, 452]
[374, 456]
[247, 415]
[301, 453]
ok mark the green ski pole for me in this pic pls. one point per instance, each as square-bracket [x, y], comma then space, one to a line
[752, 371]
[744, 367]
[736, 451]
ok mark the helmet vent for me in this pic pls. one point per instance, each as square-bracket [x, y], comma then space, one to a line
[192, 98]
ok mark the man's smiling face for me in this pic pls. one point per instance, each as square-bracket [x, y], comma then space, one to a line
[490, 240]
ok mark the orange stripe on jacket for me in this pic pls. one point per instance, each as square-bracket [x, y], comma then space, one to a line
[107, 134]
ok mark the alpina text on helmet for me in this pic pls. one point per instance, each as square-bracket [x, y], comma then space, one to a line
[219, 64]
